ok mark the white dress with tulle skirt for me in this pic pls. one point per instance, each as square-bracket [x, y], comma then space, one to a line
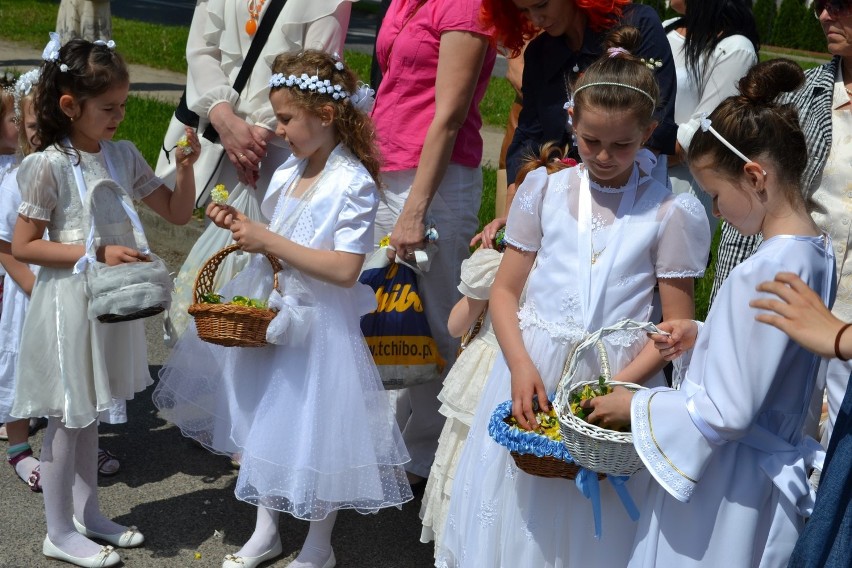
[500, 516]
[309, 417]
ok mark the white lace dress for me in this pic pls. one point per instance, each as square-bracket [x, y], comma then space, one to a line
[460, 394]
[14, 300]
[500, 516]
[69, 366]
[310, 418]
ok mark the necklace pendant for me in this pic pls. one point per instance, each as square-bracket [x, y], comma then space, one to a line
[251, 26]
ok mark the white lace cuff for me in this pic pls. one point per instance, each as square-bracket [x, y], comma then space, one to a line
[31, 211]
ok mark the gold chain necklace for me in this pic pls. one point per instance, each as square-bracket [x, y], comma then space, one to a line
[254, 9]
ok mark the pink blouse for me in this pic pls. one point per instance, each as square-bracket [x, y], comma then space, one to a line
[407, 48]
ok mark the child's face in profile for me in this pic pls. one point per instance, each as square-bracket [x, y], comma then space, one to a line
[303, 130]
[608, 141]
[8, 132]
[732, 202]
[97, 118]
[28, 121]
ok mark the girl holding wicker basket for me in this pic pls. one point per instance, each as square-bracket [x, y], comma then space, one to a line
[728, 449]
[317, 384]
[590, 243]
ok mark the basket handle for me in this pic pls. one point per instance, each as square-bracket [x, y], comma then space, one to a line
[596, 340]
[204, 280]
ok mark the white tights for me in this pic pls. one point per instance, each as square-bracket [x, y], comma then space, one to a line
[317, 547]
[69, 473]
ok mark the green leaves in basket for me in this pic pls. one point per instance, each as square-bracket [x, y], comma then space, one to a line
[588, 392]
[213, 298]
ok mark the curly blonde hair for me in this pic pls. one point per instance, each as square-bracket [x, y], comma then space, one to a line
[354, 128]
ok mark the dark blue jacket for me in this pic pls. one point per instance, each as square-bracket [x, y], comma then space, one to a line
[549, 67]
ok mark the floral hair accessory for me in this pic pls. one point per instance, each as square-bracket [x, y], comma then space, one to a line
[338, 64]
[364, 98]
[616, 52]
[570, 162]
[51, 50]
[652, 63]
[309, 83]
[24, 86]
[614, 84]
[108, 44]
[706, 126]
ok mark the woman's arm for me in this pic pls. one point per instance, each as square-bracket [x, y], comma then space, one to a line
[460, 59]
[17, 271]
[801, 314]
[464, 314]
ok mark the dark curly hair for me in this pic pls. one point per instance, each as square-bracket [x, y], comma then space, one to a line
[354, 127]
[91, 69]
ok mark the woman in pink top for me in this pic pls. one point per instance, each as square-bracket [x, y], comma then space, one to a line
[436, 58]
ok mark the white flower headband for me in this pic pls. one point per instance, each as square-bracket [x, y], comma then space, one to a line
[706, 126]
[24, 86]
[363, 98]
[51, 50]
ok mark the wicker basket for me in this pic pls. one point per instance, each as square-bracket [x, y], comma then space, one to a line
[595, 448]
[558, 465]
[227, 324]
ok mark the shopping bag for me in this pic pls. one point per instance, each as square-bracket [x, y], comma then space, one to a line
[397, 332]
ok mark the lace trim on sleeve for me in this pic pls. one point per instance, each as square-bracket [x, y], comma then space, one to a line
[31, 211]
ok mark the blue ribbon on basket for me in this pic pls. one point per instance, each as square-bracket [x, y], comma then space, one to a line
[587, 483]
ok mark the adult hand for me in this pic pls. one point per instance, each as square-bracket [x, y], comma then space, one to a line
[526, 385]
[113, 255]
[683, 334]
[223, 215]
[407, 236]
[800, 313]
[241, 143]
[489, 232]
[611, 411]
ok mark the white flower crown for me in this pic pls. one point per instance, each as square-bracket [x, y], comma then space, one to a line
[51, 50]
[309, 83]
[24, 86]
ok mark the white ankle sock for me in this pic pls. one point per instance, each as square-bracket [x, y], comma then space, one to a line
[265, 534]
[25, 466]
[58, 462]
[317, 547]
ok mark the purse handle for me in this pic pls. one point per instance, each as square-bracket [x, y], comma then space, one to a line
[85, 198]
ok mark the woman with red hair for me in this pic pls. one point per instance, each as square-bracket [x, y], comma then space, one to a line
[573, 33]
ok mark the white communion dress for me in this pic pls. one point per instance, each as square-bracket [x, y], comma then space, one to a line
[727, 450]
[70, 366]
[500, 516]
[309, 417]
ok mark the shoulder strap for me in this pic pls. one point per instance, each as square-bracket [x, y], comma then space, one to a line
[257, 44]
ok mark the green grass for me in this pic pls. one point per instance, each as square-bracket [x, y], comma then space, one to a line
[145, 124]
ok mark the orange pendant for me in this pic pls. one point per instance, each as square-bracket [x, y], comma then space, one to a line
[251, 26]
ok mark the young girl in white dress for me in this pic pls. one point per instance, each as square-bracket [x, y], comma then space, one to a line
[466, 379]
[728, 449]
[308, 414]
[70, 368]
[18, 280]
[589, 243]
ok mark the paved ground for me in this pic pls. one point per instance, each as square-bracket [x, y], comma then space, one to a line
[179, 495]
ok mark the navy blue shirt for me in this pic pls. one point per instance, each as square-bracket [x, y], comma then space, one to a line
[550, 66]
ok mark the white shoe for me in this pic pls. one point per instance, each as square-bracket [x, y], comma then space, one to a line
[128, 539]
[234, 561]
[104, 559]
[330, 563]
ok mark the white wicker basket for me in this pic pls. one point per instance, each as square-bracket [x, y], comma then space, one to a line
[592, 447]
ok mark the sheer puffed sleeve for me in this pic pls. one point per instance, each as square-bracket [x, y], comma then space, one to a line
[38, 180]
[523, 227]
[684, 243]
[353, 231]
[10, 200]
[142, 180]
[477, 273]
